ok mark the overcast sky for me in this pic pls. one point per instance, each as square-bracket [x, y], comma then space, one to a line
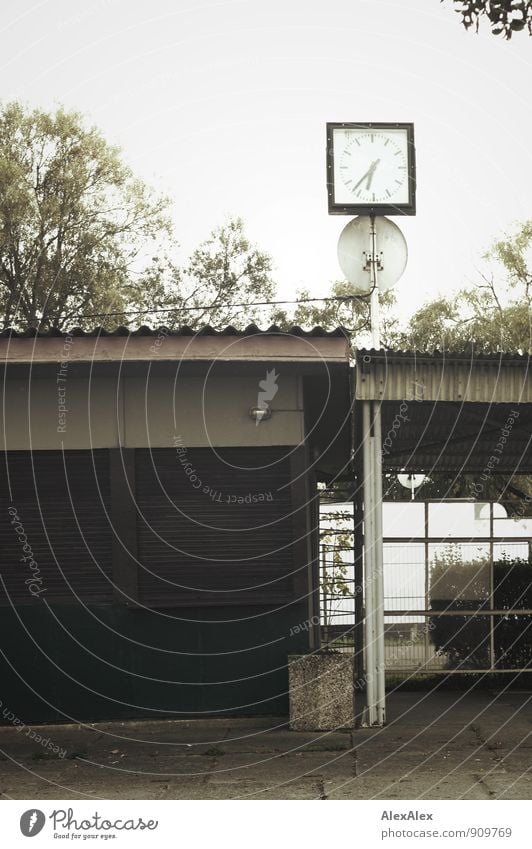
[223, 106]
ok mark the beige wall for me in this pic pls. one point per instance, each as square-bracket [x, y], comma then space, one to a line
[135, 412]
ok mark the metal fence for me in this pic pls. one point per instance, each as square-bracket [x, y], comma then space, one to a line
[457, 588]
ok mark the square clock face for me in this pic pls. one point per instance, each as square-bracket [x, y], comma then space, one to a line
[371, 169]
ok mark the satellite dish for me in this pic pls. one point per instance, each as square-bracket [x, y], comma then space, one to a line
[411, 482]
[354, 248]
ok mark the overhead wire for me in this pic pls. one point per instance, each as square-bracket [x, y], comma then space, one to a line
[335, 298]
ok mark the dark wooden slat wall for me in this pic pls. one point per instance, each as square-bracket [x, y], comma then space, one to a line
[62, 500]
[89, 514]
[228, 541]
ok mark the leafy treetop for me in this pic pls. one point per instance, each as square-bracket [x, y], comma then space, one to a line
[506, 17]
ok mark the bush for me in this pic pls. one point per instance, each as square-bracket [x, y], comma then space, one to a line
[456, 585]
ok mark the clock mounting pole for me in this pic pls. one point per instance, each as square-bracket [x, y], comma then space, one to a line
[371, 174]
[374, 265]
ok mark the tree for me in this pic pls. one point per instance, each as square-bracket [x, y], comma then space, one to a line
[341, 309]
[469, 320]
[505, 16]
[493, 316]
[74, 223]
[224, 274]
[82, 242]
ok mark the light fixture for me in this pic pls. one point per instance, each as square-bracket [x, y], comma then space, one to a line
[410, 481]
[260, 414]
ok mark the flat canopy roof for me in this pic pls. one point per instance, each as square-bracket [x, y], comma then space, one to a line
[450, 412]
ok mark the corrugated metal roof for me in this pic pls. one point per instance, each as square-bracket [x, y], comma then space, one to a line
[443, 376]
[183, 344]
[144, 330]
[390, 356]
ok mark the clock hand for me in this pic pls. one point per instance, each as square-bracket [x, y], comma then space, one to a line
[368, 176]
[371, 173]
[364, 176]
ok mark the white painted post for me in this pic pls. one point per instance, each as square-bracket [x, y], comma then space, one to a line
[378, 595]
[369, 617]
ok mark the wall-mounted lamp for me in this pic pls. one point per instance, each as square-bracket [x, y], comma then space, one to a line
[260, 414]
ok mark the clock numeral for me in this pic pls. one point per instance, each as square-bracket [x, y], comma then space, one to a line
[388, 193]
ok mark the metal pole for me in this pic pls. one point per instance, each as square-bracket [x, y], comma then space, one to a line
[373, 512]
[358, 552]
[492, 592]
[324, 591]
[374, 300]
[427, 585]
[369, 617]
[378, 598]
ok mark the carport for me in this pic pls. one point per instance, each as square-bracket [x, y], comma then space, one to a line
[420, 412]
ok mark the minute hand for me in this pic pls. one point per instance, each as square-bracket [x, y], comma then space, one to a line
[368, 176]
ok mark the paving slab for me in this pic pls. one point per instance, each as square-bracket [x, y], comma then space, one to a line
[290, 767]
[437, 745]
[509, 786]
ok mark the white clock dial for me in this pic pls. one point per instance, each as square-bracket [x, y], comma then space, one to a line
[370, 166]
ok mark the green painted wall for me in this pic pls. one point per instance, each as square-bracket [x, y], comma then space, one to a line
[236, 665]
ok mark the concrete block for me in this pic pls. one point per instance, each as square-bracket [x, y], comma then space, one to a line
[321, 691]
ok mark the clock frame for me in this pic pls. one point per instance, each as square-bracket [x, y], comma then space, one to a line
[377, 207]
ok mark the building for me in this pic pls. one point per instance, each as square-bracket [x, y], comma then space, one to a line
[159, 535]
[159, 530]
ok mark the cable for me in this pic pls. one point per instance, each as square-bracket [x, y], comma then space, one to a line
[338, 298]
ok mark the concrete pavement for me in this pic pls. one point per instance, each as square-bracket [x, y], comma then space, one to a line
[437, 745]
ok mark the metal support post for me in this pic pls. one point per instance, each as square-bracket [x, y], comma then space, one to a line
[373, 557]
[369, 617]
[378, 597]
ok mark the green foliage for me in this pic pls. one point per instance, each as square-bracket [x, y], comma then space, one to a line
[227, 269]
[470, 320]
[493, 316]
[343, 310]
[73, 220]
[513, 253]
[80, 236]
[514, 490]
[456, 585]
[335, 538]
[505, 16]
